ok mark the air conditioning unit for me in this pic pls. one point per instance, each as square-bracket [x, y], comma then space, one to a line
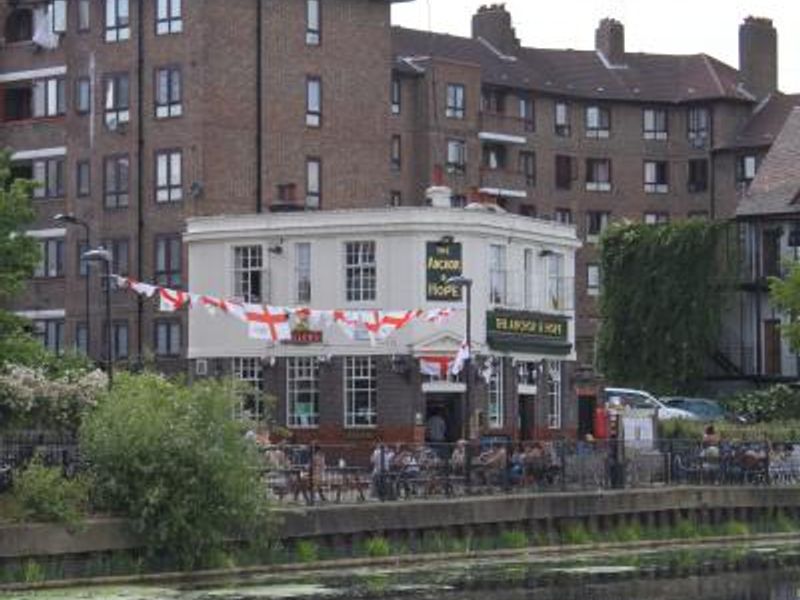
[201, 367]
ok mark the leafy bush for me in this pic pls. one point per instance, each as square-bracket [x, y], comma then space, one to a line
[513, 538]
[778, 402]
[306, 551]
[173, 460]
[576, 533]
[43, 494]
[377, 547]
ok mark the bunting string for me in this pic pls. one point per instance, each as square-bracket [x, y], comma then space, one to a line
[274, 323]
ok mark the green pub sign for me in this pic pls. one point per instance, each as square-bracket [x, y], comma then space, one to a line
[527, 331]
[442, 261]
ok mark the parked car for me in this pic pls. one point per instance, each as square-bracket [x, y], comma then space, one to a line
[703, 409]
[622, 398]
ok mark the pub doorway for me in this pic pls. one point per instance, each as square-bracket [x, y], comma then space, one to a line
[443, 417]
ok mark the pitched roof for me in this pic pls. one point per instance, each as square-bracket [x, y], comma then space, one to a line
[766, 121]
[582, 73]
[776, 188]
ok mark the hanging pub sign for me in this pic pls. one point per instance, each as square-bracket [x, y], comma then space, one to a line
[442, 261]
[518, 330]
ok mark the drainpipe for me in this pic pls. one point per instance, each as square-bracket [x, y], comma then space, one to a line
[259, 105]
[140, 175]
[712, 185]
[757, 233]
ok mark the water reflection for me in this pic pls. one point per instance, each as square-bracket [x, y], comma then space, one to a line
[722, 573]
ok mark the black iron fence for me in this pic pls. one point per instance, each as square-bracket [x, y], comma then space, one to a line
[319, 473]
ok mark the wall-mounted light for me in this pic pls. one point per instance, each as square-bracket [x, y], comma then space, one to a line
[277, 250]
[446, 240]
[545, 252]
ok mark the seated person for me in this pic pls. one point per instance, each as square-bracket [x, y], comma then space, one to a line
[458, 460]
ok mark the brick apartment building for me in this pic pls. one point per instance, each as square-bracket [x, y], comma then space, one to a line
[136, 115]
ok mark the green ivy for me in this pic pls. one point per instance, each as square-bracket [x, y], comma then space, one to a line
[664, 291]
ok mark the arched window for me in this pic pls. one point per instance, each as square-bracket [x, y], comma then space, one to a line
[19, 25]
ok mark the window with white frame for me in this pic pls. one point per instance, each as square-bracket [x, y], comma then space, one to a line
[83, 95]
[527, 113]
[49, 97]
[496, 395]
[168, 17]
[169, 176]
[556, 283]
[360, 271]
[167, 337]
[249, 372]
[84, 15]
[118, 20]
[117, 106]
[302, 392]
[562, 120]
[598, 175]
[528, 266]
[598, 122]
[596, 222]
[654, 124]
[746, 167]
[50, 332]
[699, 123]
[497, 274]
[302, 271]
[116, 181]
[360, 391]
[169, 92]
[59, 15]
[554, 394]
[563, 215]
[313, 23]
[396, 153]
[593, 279]
[48, 173]
[51, 259]
[397, 96]
[656, 176]
[456, 99]
[168, 271]
[656, 218]
[313, 101]
[248, 273]
[456, 156]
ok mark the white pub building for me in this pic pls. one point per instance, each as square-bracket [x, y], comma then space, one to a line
[335, 388]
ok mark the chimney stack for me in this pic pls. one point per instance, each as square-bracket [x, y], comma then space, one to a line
[758, 56]
[609, 40]
[493, 24]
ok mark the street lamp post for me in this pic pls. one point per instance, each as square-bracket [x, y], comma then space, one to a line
[73, 220]
[466, 284]
[103, 255]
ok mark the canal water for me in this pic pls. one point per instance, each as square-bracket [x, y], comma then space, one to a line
[759, 572]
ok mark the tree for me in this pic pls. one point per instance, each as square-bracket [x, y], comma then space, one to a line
[785, 294]
[18, 252]
[172, 459]
[664, 292]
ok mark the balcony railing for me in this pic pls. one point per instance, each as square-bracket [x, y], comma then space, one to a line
[500, 123]
[505, 178]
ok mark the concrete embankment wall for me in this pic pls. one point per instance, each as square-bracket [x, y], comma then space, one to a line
[547, 514]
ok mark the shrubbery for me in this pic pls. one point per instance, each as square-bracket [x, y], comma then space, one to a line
[173, 460]
[44, 494]
[778, 402]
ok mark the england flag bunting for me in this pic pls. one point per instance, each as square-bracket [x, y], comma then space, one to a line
[435, 366]
[268, 323]
[274, 324]
[172, 300]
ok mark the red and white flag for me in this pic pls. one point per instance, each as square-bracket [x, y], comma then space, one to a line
[172, 300]
[436, 315]
[229, 307]
[268, 323]
[461, 358]
[435, 366]
[349, 321]
[143, 289]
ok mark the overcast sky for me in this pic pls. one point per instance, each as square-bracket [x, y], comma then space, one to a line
[660, 26]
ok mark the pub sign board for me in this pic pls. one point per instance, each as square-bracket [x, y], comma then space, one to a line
[442, 261]
[527, 331]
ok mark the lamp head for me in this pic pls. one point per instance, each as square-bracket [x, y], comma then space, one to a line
[459, 280]
[65, 218]
[97, 254]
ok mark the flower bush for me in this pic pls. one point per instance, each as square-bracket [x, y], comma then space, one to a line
[30, 397]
